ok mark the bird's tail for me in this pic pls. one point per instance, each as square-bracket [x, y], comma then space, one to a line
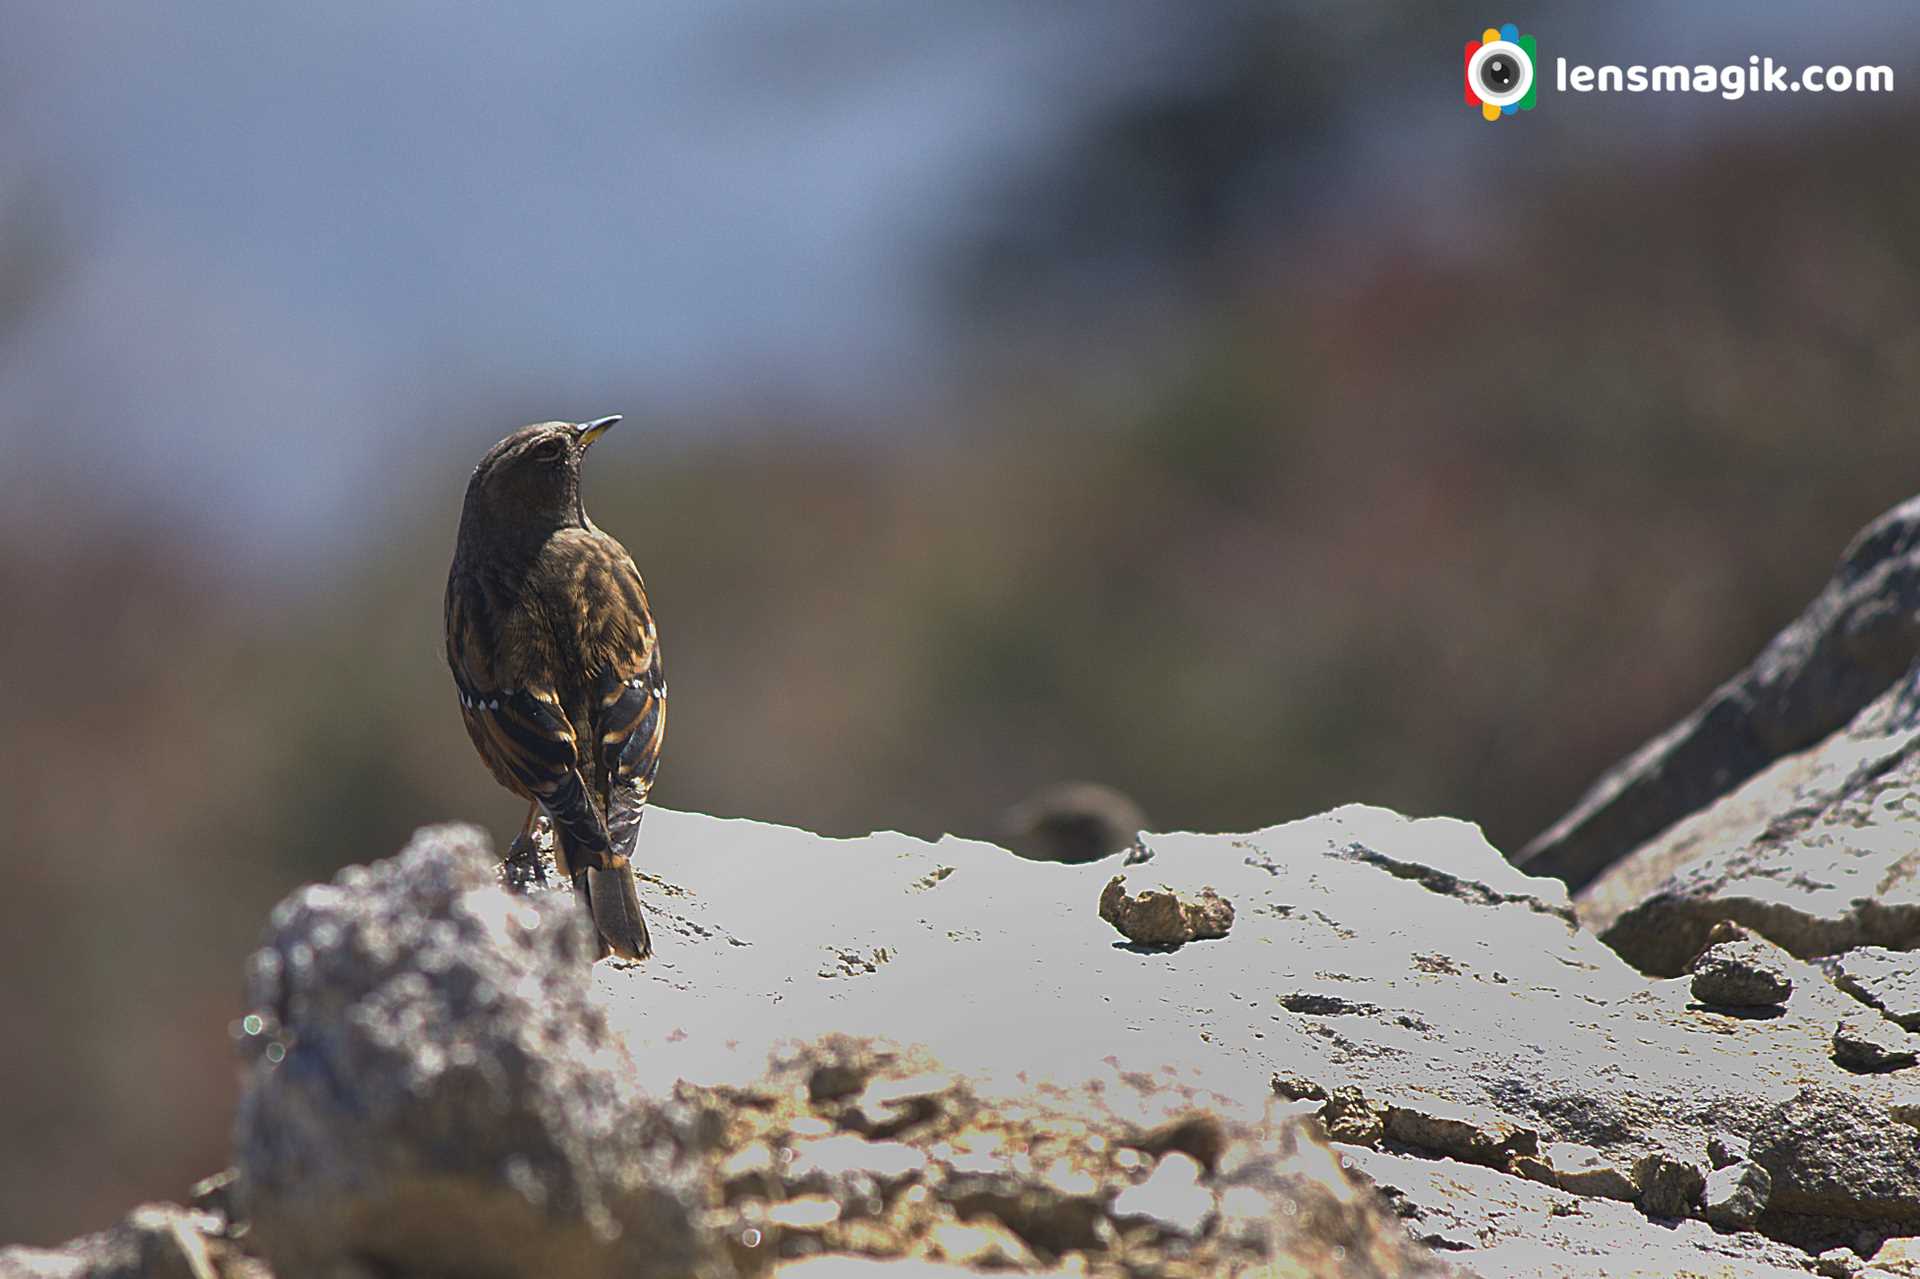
[606, 892]
[615, 903]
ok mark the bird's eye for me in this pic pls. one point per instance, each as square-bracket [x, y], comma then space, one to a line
[549, 450]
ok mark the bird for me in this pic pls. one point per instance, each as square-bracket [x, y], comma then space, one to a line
[557, 665]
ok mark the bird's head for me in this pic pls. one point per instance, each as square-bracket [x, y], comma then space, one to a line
[531, 479]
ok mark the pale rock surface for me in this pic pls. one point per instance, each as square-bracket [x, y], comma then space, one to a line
[1869, 1042]
[1398, 977]
[1735, 1195]
[442, 1084]
[1820, 854]
[970, 1068]
[1887, 980]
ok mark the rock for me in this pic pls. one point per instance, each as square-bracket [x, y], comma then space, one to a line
[1171, 1198]
[1819, 854]
[1895, 1259]
[1477, 1134]
[154, 1241]
[1736, 1195]
[1075, 822]
[844, 1267]
[1162, 917]
[1724, 1150]
[1828, 1151]
[1853, 640]
[1583, 1170]
[1837, 1263]
[981, 1245]
[1669, 1187]
[439, 1093]
[1350, 1117]
[1438, 1008]
[1522, 1098]
[1475, 1213]
[1869, 1042]
[1740, 974]
[1101, 1175]
[1297, 1087]
[1727, 930]
[1888, 980]
[449, 1096]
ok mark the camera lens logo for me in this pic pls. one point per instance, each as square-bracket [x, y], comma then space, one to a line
[1500, 72]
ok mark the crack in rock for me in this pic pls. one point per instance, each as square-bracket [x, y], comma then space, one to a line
[1449, 885]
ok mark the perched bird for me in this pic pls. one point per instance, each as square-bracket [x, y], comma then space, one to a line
[557, 665]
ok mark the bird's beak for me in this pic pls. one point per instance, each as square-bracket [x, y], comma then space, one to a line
[588, 432]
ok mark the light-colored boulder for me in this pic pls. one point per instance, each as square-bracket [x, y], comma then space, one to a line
[1820, 854]
[435, 1090]
[1851, 642]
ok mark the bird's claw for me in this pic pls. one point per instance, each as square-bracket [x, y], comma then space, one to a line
[525, 865]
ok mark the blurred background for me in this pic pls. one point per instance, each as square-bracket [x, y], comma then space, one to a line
[1200, 399]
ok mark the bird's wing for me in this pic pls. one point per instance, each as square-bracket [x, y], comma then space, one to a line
[522, 732]
[630, 692]
[632, 723]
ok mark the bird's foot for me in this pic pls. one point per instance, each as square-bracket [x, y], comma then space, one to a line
[529, 859]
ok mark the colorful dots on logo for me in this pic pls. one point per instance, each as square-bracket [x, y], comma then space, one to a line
[1499, 72]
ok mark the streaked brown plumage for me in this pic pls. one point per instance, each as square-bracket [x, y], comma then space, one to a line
[557, 664]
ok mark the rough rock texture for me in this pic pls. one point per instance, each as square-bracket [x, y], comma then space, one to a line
[1870, 1042]
[1740, 974]
[861, 1150]
[434, 1090]
[972, 1070]
[1887, 980]
[1852, 641]
[154, 1241]
[1819, 853]
[1163, 917]
[1527, 1098]
[1736, 1195]
[1832, 1151]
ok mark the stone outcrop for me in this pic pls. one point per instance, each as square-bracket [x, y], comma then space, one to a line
[434, 1088]
[440, 1083]
[1405, 1056]
[1853, 640]
[154, 1241]
[1820, 854]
